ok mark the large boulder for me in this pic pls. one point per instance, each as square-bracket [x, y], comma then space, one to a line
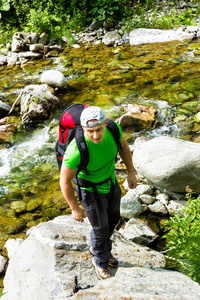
[48, 264]
[37, 103]
[22, 40]
[147, 35]
[168, 163]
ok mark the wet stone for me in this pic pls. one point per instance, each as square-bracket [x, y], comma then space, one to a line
[18, 206]
[33, 204]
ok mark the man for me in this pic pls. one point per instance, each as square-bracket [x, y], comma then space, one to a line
[101, 197]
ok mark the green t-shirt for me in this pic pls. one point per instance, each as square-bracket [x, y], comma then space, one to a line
[101, 160]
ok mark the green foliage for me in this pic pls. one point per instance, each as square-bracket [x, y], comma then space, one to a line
[183, 238]
[153, 19]
[6, 33]
[4, 6]
[108, 9]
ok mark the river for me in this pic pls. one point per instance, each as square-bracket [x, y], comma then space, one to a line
[165, 76]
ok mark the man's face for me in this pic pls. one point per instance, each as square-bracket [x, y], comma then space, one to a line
[95, 134]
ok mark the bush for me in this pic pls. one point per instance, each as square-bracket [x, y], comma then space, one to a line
[183, 238]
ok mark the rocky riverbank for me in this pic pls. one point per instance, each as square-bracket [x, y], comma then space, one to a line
[57, 265]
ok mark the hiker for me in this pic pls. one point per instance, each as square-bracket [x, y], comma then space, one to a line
[97, 189]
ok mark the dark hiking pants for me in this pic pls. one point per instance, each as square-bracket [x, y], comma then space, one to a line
[103, 214]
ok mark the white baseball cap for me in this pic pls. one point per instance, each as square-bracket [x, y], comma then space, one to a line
[92, 113]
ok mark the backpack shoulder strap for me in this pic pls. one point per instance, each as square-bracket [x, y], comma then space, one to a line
[112, 126]
[82, 147]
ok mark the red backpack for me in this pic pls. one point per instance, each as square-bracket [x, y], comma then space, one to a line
[70, 127]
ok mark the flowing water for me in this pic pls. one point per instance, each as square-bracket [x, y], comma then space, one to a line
[165, 76]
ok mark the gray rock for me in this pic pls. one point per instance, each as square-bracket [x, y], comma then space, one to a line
[12, 59]
[2, 264]
[176, 206]
[111, 37]
[4, 51]
[168, 163]
[11, 245]
[158, 207]
[147, 199]
[46, 263]
[163, 198]
[143, 284]
[43, 38]
[130, 206]
[22, 40]
[3, 60]
[137, 231]
[95, 25]
[36, 47]
[144, 36]
[54, 78]
[4, 109]
[30, 55]
[37, 103]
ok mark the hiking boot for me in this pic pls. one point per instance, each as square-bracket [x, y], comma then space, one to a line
[113, 262]
[101, 273]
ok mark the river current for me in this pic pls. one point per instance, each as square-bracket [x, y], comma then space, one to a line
[165, 76]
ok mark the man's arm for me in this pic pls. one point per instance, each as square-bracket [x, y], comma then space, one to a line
[66, 176]
[126, 156]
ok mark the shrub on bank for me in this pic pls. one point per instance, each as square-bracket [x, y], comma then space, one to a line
[183, 238]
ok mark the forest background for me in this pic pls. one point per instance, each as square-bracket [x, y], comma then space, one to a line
[64, 17]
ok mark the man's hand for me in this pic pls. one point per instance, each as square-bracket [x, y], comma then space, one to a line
[78, 214]
[126, 156]
[132, 181]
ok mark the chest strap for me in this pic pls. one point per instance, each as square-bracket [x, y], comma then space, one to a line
[86, 183]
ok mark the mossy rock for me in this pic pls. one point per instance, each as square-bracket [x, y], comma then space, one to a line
[187, 124]
[190, 105]
[11, 225]
[51, 212]
[60, 202]
[34, 204]
[28, 217]
[197, 52]
[191, 85]
[177, 98]
[197, 117]
[18, 206]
